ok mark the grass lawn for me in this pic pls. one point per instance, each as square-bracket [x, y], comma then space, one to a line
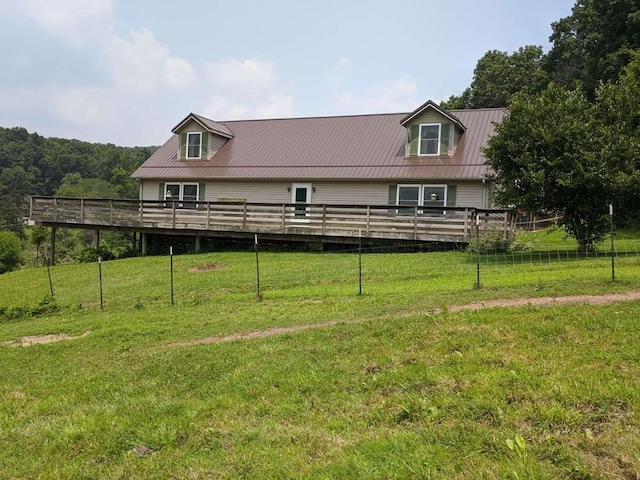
[404, 392]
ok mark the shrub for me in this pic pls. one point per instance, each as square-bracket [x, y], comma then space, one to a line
[493, 241]
[10, 252]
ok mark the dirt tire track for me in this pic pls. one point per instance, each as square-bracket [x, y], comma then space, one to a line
[516, 302]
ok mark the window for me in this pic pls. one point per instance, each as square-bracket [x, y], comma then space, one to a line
[429, 139]
[422, 196]
[185, 194]
[194, 144]
[409, 195]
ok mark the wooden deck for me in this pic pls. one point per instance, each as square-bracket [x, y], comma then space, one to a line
[454, 224]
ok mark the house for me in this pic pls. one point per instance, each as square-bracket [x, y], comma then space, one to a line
[330, 179]
[429, 157]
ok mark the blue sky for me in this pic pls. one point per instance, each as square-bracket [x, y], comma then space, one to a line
[126, 72]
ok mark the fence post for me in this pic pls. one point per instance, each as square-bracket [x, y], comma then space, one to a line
[613, 249]
[360, 262]
[47, 261]
[477, 249]
[258, 293]
[171, 273]
[100, 278]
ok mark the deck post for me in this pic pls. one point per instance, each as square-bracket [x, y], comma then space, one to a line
[284, 216]
[52, 260]
[324, 219]
[465, 235]
[505, 227]
[368, 226]
[110, 212]
[173, 214]
[30, 207]
[143, 243]
[208, 215]
[415, 222]
[82, 210]
[55, 209]
[244, 216]
[197, 243]
[97, 239]
[140, 212]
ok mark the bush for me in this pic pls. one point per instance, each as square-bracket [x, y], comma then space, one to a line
[493, 241]
[10, 252]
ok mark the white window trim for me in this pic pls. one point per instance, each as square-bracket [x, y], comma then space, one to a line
[421, 189]
[409, 185]
[181, 194]
[434, 185]
[439, 125]
[200, 148]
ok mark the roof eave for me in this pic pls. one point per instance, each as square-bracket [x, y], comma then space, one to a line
[437, 108]
[195, 118]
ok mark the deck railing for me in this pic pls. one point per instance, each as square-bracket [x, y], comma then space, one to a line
[449, 224]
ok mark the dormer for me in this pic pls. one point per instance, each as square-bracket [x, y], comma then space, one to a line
[432, 132]
[200, 138]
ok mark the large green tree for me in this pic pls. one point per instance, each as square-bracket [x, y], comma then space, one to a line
[498, 75]
[547, 157]
[617, 109]
[594, 43]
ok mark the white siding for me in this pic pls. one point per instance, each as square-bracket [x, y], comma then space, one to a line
[351, 193]
[470, 195]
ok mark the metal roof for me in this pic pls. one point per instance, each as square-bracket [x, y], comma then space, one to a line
[359, 147]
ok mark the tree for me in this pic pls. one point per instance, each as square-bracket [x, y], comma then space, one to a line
[16, 184]
[617, 109]
[73, 185]
[498, 76]
[38, 235]
[10, 252]
[547, 157]
[594, 43]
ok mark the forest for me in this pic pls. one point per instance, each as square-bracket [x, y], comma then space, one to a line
[570, 143]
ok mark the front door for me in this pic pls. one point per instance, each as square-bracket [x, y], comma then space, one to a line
[301, 193]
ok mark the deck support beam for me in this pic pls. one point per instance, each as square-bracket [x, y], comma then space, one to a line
[143, 243]
[197, 243]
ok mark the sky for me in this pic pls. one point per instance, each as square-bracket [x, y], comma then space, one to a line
[127, 71]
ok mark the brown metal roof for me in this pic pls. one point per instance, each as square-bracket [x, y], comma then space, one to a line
[362, 147]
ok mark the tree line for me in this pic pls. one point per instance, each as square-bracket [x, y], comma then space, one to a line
[31, 164]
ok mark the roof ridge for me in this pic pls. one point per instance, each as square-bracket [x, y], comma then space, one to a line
[312, 117]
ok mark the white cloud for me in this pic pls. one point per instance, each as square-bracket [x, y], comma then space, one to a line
[247, 89]
[73, 20]
[276, 105]
[139, 63]
[221, 108]
[87, 106]
[397, 96]
[251, 77]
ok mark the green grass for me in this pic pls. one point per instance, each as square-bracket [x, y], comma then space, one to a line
[404, 392]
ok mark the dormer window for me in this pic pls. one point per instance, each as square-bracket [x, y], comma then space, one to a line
[194, 145]
[429, 139]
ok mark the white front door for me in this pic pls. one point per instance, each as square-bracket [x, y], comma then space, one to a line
[301, 193]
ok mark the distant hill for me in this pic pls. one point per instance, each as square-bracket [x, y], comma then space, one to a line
[31, 164]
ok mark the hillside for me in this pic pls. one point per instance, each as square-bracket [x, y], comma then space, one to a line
[396, 383]
[34, 165]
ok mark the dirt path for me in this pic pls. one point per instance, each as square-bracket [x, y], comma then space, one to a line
[40, 339]
[516, 302]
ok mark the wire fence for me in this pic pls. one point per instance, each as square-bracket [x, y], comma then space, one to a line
[367, 271]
